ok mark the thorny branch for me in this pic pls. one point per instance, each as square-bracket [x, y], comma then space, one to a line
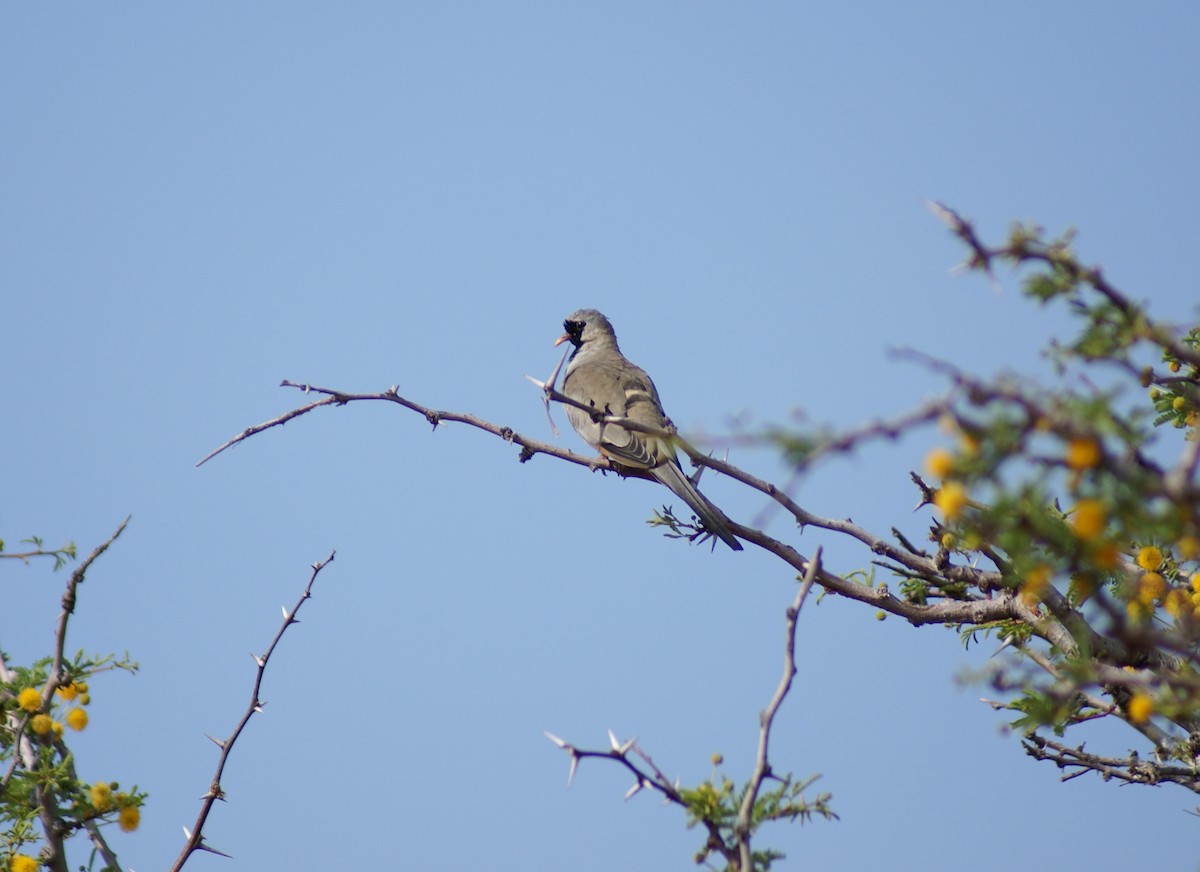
[762, 766]
[195, 836]
[936, 586]
[733, 843]
[992, 603]
[1131, 769]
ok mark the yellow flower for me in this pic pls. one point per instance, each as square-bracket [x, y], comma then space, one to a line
[23, 863]
[1189, 547]
[1174, 366]
[939, 463]
[67, 692]
[1179, 404]
[1089, 519]
[77, 719]
[1196, 581]
[101, 795]
[1150, 558]
[951, 498]
[30, 700]
[1106, 556]
[1151, 587]
[41, 724]
[1141, 707]
[1083, 453]
[1137, 611]
[948, 541]
[57, 728]
[128, 818]
[1035, 585]
[1176, 602]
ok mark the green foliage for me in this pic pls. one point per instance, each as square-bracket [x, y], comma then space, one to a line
[1070, 522]
[40, 788]
[61, 556]
[716, 805]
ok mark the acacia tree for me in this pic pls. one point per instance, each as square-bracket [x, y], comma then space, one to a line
[1055, 525]
[41, 788]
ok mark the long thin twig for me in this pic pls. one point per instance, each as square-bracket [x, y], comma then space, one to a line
[68, 608]
[529, 447]
[195, 836]
[762, 766]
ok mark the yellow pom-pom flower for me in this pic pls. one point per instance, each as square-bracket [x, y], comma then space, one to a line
[41, 724]
[1174, 366]
[1188, 547]
[101, 796]
[1195, 580]
[1176, 602]
[1151, 587]
[128, 818]
[1089, 519]
[1036, 584]
[1106, 555]
[1179, 404]
[1141, 707]
[57, 728]
[951, 498]
[77, 719]
[23, 863]
[949, 540]
[67, 692]
[1083, 453]
[939, 463]
[1150, 558]
[30, 700]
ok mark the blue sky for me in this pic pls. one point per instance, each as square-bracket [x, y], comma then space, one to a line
[201, 200]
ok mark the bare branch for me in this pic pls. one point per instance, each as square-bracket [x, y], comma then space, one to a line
[195, 836]
[1131, 769]
[68, 608]
[762, 766]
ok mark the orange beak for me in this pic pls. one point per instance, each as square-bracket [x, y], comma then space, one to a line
[560, 340]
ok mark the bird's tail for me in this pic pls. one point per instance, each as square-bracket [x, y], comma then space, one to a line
[714, 519]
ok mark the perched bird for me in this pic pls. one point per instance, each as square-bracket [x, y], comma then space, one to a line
[601, 378]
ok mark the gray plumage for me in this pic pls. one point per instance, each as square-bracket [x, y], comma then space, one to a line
[600, 377]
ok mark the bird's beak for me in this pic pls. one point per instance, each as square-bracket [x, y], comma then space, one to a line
[566, 337]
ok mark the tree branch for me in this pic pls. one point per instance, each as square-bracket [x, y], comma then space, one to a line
[762, 766]
[195, 837]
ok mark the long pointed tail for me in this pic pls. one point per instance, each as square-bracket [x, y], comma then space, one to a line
[713, 518]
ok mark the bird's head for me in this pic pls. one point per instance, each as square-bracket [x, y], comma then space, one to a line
[586, 325]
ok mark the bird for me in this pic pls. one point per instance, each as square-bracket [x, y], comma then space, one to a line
[600, 377]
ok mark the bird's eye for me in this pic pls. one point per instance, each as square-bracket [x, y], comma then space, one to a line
[573, 328]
